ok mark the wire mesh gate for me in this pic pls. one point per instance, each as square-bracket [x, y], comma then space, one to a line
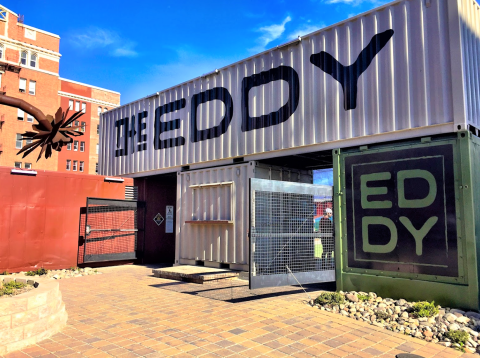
[109, 230]
[291, 233]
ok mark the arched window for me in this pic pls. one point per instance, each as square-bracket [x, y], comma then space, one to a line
[23, 58]
[33, 60]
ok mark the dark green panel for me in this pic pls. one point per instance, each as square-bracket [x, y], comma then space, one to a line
[406, 223]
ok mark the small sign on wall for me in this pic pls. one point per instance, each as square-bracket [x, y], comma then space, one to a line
[169, 219]
[158, 219]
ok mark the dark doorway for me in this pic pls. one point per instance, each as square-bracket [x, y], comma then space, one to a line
[158, 192]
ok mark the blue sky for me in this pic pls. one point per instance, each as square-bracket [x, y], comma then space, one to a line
[140, 47]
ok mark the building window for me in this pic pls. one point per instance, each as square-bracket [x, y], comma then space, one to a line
[83, 126]
[105, 109]
[18, 141]
[99, 111]
[20, 114]
[18, 165]
[1, 51]
[77, 123]
[74, 166]
[77, 106]
[28, 141]
[98, 128]
[97, 148]
[28, 165]
[23, 58]
[69, 146]
[75, 145]
[29, 118]
[33, 60]
[82, 146]
[70, 104]
[84, 107]
[22, 87]
[80, 168]
[69, 162]
[32, 85]
[96, 168]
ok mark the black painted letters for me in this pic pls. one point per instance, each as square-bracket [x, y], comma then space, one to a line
[348, 75]
[221, 94]
[285, 73]
[161, 127]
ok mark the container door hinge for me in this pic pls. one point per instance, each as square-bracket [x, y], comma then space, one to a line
[428, 3]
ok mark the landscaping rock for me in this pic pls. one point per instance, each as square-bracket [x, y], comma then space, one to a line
[351, 297]
[399, 316]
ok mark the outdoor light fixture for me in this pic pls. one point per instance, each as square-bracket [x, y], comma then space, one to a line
[114, 180]
[23, 172]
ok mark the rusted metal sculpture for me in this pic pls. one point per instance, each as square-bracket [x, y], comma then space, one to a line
[50, 133]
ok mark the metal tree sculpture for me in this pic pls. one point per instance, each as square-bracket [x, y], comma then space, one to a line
[50, 133]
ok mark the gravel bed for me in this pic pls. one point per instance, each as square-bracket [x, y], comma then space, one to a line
[397, 316]
[65, 273]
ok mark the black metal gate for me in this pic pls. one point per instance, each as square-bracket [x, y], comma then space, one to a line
[291, 233]
[109, 230]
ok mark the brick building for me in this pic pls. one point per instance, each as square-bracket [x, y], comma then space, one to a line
[29, 69]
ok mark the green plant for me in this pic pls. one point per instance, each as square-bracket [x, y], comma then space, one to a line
[382, 315]
[4, 272]
[424, 309]
[9, 288]
[39, 272]
[330, 298]
[363, 297]
[73, 268]
[459, 337]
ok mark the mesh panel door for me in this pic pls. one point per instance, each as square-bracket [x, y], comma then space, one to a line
[289, 240]
[110, 230]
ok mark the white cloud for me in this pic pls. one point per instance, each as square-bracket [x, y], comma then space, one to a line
[305, 30]
[95, 38]
[269, 34]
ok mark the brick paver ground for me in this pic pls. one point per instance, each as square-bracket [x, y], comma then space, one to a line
[126, 312]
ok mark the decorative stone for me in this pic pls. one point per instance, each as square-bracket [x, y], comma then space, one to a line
[351, 297]
[453, 327]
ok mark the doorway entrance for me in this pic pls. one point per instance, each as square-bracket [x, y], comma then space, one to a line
[288, 246]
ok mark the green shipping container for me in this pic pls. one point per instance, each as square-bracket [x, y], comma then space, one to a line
[409, 218]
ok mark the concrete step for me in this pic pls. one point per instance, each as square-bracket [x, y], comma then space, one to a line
[195, 274]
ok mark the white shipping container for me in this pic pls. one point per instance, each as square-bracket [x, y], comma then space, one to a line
[406, 69]
[213, 211]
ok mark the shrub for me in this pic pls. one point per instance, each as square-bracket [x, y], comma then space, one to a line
[382, 315]
[4, 272]
[459, 337]
[424, 309]
[10, 287]
[363, 297]
[330, 298]
[39, 272]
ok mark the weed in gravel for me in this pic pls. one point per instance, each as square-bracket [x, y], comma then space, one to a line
[9, 288]
[363, 297]
[39, 272]
[330, 298]
[458, 337]
[424, 309]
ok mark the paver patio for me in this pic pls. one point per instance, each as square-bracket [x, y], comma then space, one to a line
[126, 312]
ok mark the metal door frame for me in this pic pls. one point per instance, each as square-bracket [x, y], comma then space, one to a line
[288, 279]
[134, 205]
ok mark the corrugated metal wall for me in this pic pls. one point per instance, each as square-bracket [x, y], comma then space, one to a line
[408, 85]
[217, 194]
[213, 242]
[469, 16]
